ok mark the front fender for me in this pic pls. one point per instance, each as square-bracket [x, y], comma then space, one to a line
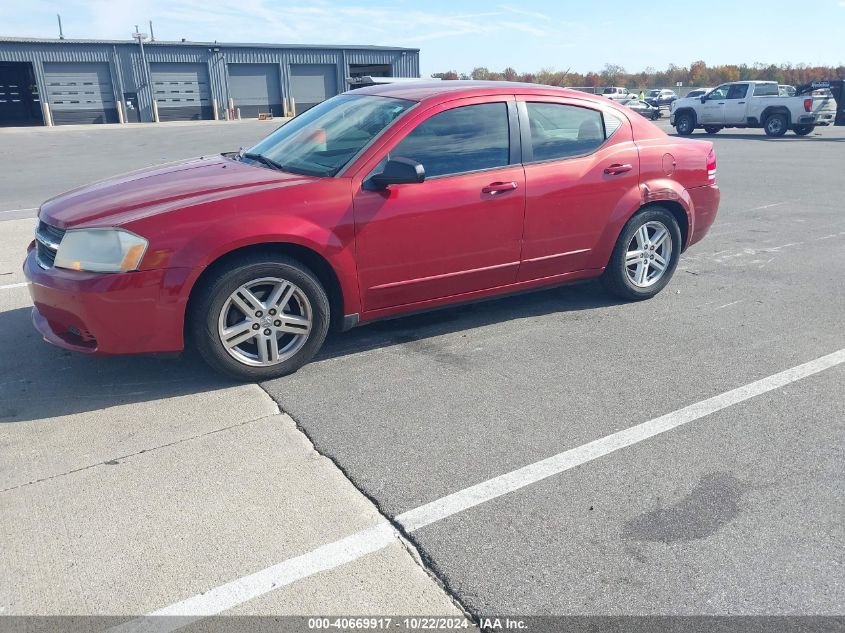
[318, 217]
[226, 237]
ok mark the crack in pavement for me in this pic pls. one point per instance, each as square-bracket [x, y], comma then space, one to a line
[419, 555]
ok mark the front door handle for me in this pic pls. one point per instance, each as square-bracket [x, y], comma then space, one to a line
[499, 187]
[617, 169]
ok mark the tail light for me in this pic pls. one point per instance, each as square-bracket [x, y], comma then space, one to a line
[711, 167]
[808, 105]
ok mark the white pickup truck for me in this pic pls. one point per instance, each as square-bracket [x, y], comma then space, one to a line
[617, 94]
[753, 104]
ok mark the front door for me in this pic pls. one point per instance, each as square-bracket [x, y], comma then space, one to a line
[712, 111]
[736, 105]
[458, 231]
[580, 162]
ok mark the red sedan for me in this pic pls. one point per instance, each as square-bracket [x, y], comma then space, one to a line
[382, 201]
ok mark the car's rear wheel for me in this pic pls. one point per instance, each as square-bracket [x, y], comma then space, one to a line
[803, 130]
[684, 124]
[645, 256]
[712, 129]
[776, 125]
[260, 318]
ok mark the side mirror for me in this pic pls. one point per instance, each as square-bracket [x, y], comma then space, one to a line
[703, 98]
[399, 171]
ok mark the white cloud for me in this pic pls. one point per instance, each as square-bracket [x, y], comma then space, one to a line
[304, 21]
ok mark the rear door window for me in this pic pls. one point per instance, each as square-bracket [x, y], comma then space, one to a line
[563, 131]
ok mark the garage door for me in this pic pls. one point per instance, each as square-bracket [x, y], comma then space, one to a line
[181, 91]
[255, 88]
[80, 93]
[311, 84]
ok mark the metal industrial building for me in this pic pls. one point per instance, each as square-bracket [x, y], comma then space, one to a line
[56, 81]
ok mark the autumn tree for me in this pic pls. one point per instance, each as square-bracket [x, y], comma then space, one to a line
[612, 74]
[698, 74]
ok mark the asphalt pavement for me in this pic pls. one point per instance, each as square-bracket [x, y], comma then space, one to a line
[737, 512]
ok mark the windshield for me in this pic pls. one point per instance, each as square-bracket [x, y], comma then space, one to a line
[653, 93]
[320, 141]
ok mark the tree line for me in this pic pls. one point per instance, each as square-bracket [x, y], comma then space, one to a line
[696, 74]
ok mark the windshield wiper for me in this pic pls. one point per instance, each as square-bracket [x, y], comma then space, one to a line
[261, 158]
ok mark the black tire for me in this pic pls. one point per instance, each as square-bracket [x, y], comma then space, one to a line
[803, 130]
[211, 296]
[655, 115]
[776, 125]
[712, 129]
[615, 277]
[684, 124]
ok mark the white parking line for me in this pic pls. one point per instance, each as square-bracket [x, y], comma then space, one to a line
[327, 557]
[243, 589]
[10, 286]
[19, 210]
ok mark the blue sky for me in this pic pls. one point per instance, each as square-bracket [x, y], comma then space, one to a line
[460, 35]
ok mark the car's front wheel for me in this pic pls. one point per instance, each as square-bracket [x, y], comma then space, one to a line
[259, 318]
[645, 256]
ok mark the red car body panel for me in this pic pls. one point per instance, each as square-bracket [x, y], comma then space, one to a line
[408, 248]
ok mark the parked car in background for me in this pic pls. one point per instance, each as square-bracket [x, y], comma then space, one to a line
[697, 92]
[617, 94]
[750, 104]
[662, 98]
[641, 107]
[381, 201]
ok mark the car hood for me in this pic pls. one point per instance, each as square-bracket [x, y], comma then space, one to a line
[122, 199]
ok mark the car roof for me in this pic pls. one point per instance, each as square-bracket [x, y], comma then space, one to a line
[456, 89]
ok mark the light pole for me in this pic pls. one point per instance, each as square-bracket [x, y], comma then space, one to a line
[140, 37]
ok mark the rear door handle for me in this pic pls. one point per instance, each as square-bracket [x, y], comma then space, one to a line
[742, 103]
[616, 169]
[499, 187]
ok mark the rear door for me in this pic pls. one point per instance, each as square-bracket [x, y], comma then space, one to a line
[458, 231]
[736, 105]
[580, 162]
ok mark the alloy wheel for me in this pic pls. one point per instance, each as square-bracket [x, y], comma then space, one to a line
[648, 255]
[265, 321]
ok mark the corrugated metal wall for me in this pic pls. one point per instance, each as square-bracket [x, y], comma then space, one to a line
[130, 76]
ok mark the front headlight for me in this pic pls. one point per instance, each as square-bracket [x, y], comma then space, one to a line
[100, 250]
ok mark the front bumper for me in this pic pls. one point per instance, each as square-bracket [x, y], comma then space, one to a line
[126, 313]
